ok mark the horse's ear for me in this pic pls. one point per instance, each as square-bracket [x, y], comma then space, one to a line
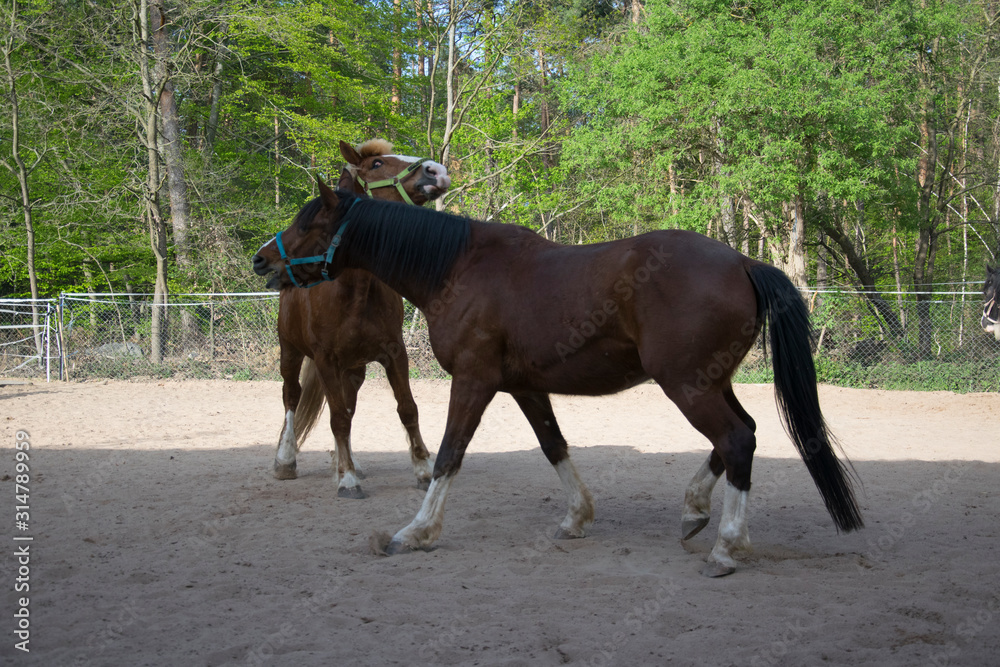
[989, 270]
[346, 180]
[329, 197]
[349, 154]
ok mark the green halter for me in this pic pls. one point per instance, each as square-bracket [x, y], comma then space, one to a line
[395, 181]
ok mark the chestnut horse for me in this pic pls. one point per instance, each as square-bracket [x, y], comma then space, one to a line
[991, 309]
[335, 329]
[510, 311]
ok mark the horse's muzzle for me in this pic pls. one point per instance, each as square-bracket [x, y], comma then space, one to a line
[434, 181]
[260, 266]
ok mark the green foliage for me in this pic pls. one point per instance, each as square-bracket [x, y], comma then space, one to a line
[571, 120]
[958, 375]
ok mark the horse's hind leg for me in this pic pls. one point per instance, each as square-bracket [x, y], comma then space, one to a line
[291, 391]
[397, 369]
[538, 409]
[721, 419]
[698, 495]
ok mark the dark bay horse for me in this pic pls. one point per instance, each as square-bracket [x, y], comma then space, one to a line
[335, 329]
[991, 309]
[511, 311]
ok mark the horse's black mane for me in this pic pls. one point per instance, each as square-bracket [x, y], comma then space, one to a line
[403, 242]
[308, 212]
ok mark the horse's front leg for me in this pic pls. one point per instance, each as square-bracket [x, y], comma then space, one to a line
[341, 398]
[469, 399]
[291, 391]
[538, 409]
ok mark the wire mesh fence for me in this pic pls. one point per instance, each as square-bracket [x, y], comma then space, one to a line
[230, 336]
[904, 340]
[28, 339]
[897, 340]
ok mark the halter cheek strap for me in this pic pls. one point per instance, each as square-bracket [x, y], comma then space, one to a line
[986, 311]
[325, 258]
[396, 181]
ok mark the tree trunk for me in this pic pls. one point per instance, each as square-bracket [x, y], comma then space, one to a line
[421, 59]
[22, 170]
[543, 109]
[213, 115]
[450, 91]
[516, 106]
[277, 166]
[727, 206]
[635, 11]
[173, 154]
[397, 59]
[173, 148]
[796, 262]
[857, 263]
[923, 266]
[153, 215]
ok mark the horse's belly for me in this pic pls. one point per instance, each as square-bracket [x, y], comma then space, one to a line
[594, 369]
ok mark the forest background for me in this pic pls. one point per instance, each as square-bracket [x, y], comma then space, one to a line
[153, 145]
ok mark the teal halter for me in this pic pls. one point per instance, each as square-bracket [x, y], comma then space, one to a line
[325, 258]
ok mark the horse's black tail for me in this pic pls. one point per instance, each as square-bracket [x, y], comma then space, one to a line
[780, 304]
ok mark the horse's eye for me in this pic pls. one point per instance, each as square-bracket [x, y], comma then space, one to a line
[376, 164]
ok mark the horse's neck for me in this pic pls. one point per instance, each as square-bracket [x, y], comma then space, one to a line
[408, 288]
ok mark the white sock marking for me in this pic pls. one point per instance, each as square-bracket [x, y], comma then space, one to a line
[581, 504]
[426, 526]
[698, 495]
[733, 531]
[286, 446]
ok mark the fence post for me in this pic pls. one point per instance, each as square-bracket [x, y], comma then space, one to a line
[211, 327]
[48, 342]
[63, 364]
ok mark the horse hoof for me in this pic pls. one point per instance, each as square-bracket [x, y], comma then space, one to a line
[423, 484]
[691, 527]
[715, 570]
[353, 492]
[395, 548]
[285, 470]
[563, 534]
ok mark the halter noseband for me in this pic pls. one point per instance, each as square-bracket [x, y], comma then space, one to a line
[986, 311]
[325, 258]
[396, 181]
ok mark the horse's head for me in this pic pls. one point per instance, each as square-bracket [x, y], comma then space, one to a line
[991, 310]
[372, 170]
[305, 253]
[372, 166]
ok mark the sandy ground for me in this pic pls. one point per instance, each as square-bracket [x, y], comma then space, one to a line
[160, 537]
